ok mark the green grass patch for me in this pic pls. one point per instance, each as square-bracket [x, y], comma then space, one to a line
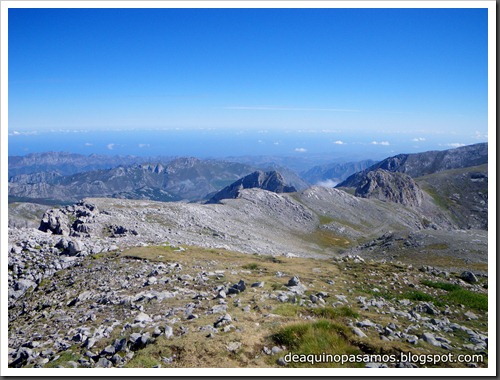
[327, 239]
[324, 219]
[315, 338]
[288, 310]
[438, 246]
[441, 201]
[62, 361]
[459, 295]
[469, 299]
[441, 285]
[278, 286]
[416, 295]
[251, 266]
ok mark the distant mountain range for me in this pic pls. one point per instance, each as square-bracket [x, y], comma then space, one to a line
[419, 164]
[65, 178]
[70, 163]
[187, 179]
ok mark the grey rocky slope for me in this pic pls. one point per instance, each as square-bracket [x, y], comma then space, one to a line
[420, 164]
[390, 186]
[25, 214]
[462, 193]
[270, 181]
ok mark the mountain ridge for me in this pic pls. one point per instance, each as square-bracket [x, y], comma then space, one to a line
[419, 164]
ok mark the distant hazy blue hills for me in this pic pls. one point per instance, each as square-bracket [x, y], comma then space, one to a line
[187, 178]
[66, 163]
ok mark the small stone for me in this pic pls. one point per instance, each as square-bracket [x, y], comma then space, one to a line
[108, 350]
[233, 346]
[134, 338]
[156, 331]
[276, 350]
[104, 363]
[470, 315]
[357, 331]
[142, 317]
[120, 344]
[169, 332]
[145, 339]
[468, 276]
[294, 281]
[89, 343]
[241, 286]
[365, 323]
[431, 339]
[221, 294]
[282, 362]
[116, 359]
[224, 320]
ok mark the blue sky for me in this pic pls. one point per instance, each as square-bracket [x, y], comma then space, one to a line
[376, 76]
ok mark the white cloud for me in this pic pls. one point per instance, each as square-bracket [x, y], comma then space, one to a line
[327, 183]
[88, 144]
[330, 131]
[418, 139]
[481, 136]
[110, 146]
[143, 145]
[386, 143]
[260, 141]
[276, 143]
[23, 133]
[339, 142]
[454, 145]
[301, 150]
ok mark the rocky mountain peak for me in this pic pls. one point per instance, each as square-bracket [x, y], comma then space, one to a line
[271, 181]
[153, 168]
[390, 186]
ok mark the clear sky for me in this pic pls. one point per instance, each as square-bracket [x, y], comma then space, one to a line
[373, 75]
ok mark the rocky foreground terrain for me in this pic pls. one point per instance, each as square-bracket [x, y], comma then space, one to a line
[182, 306]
